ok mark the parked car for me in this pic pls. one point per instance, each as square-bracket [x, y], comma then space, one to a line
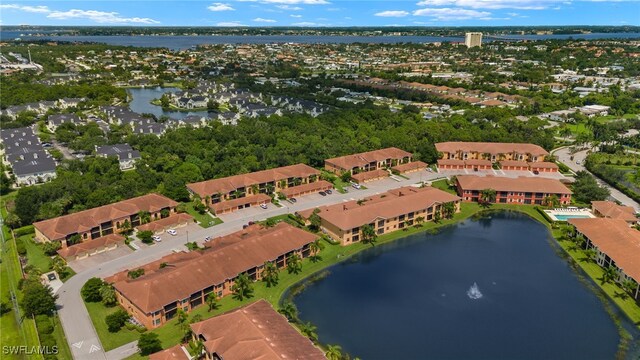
[264, 206]
[293, 200]
[356, 186]
[208, 238]
[156, 238]
[251, 222]
[322, 193]
[536, 172]
[51, 277]
[172, 232]
[328, 192]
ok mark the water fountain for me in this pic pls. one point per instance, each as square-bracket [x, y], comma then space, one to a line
[474, 292]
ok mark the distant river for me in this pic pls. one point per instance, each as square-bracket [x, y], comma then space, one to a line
[415, 298]
[187, 41]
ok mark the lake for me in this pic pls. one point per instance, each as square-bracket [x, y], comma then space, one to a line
[187, 41]
[141, 103]
[415, 298]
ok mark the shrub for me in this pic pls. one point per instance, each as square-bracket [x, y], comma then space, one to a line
[20, 248]
[25, 230]
[116, 321]
[91, 290]
[4, 308]
[47, 340]
[44, 324]
[134, 274]
[51, 248]
[37, 299]
[145, 236]
[149, 343]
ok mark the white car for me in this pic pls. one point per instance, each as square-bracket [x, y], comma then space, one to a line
[172, 232]
[264, 206]
[156, 238]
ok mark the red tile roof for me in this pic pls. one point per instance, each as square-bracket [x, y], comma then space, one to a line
[60, 227]
[255, 331]
[612, 210]
[231, 183]
[305, 188]
[90, 245]
[543, 165]
[357, 160]
[414, 165]
[172, 353]
[615, 238]
[234, 203]
[369, 175]
[224, 259]
[520, 184]
[173, 220]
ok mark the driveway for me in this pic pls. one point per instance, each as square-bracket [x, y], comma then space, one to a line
[99, 259]
[564, 156]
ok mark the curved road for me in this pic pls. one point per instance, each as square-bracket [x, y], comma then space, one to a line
[564, 156]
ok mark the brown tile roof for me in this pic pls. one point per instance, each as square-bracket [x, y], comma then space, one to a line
[514, 163]
[356, 160]
[450, 162]
[304, 188]
[492, 103]
[490, 147]
[369, 175]
[172, 353]
[478, 162]
[615, 238]
[612, 210]
[231, 204]
[384, 206]
[173, 220]
[255, 331]
[402, 168]
[224, 259]
[231, 183]
[60, 227]
[90, 245]
[520, 184]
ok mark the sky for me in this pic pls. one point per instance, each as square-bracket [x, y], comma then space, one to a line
[314, 13]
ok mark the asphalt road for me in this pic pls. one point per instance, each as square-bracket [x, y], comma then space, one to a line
[577, 164]
[81, 335]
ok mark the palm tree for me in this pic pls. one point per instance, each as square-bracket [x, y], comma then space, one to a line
[294, 264]
[406, 225]
[242, 287]
[591, 254]
[629, 286]
[309, 330]
[289, 310]
[448, 209]
[144, 216]
[334, 352]
[487, 196]
[565, 132]
[609, 275]
[254, 189]
[315, 248]
[212, 301]
[419, 221]
[198, 348]
[369, 234]
[551, 201]
[270, 274]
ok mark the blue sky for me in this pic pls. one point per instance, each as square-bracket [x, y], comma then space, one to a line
[321, 12]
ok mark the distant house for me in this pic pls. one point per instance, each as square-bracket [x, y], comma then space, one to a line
[69, 102]
[34, 171]
[23, 151]
[228, 118]
[53, 121]
[126, 155]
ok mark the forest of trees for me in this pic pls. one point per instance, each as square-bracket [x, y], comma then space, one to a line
[186, 155]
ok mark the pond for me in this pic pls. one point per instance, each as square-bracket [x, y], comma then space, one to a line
[141, 103]
[492, 288]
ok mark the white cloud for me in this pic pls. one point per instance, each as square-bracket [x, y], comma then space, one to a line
[264, 20]
[220, 7]
[295, 2]
[492, 4]
[26, 8]
[392, 13]
[307, 23]
[101, 17]
[230, 23]
[445, 14]
[295, 16]
[289, 7]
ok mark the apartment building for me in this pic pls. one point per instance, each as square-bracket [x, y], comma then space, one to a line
[473, 39]
[368, 161]
[521, 190]
[104, 220]
[241, 191]
[616, 244]
[493, 152]
[271, 336]
[609, 209]
[387, 212]
[187, 278]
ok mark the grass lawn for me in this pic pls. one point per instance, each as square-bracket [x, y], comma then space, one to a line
[205, 220]
[35, 255]
[579, 128]
[338, 184]
[444, 185]
[64, 352]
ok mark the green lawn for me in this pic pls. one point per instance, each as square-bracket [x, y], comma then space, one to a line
[338, 184]
[444, 185]
[205, 220]
[35, 255]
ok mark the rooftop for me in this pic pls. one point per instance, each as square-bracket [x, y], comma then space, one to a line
[491, 148]
[520, 184]
[362, 159]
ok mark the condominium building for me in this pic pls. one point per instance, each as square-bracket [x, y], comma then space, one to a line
[187, 278]
[473, 39]
[521, 190]
[240, 191]
[104, 220]
[493, 152]
[254, 331]
[616, 244]
[368, 161]
[609, 209]
[387, 212]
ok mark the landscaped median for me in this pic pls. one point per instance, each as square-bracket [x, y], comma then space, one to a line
[170, 334]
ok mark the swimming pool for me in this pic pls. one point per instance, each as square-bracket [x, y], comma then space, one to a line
[568, 213]
[572, 216]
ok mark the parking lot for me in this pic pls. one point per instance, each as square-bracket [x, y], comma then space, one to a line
[98, 259]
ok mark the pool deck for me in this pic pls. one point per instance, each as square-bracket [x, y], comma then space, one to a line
[568, 213]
